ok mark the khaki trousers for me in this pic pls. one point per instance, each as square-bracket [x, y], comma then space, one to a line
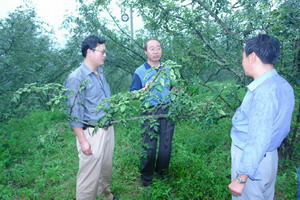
[95, 171]
[263, 189]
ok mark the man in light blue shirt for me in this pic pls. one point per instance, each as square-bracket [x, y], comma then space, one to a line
[95, 147]
[261, 122]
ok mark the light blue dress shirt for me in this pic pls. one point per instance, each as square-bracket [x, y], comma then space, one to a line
[262, 121]
[82, 104]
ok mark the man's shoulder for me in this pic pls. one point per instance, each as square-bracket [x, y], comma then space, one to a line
[77, 74]
[273, 84]
[141, 68]
[275, 81]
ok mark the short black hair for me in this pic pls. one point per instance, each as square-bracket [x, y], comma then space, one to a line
[145, 45]
[267, 48]
[90, 42]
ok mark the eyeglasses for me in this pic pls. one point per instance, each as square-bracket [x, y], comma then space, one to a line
[152, 49]
[102, 52]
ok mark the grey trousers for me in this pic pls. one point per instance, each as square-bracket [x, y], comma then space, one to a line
[95, 171]
[263, 189]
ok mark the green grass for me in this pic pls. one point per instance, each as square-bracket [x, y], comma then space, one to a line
[39, 161]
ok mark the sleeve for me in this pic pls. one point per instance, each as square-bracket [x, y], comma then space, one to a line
[75, 102]
[261, 119]
[136, 83]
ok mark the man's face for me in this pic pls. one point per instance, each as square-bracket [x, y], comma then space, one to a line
[246, 64]
[153, 51]
[98, 55]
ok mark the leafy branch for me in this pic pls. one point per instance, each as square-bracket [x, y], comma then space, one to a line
[190, 100]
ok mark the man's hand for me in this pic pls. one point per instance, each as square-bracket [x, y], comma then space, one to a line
[136, 93]
[237, 188]
[86, 148]
[84, 143]
[148, 85]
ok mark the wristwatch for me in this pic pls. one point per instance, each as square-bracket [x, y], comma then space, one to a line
[239, 180]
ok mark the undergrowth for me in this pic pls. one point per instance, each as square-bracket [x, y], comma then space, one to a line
[39, 161]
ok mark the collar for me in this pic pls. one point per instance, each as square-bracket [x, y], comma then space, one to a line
[87, 71]
[254, 84]
[147, 66]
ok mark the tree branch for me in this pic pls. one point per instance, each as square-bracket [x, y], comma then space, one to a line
[113, 18]
[214, 15]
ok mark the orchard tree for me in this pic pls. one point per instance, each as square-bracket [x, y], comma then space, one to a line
[27, 55]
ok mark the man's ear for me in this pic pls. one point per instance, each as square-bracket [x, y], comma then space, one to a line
[88, 51]
[253, 57]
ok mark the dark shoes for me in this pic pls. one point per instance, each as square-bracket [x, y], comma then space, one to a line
[146, 183]
[146, 180]
[115, 198]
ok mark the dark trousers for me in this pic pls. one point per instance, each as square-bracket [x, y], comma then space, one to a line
[164, 133]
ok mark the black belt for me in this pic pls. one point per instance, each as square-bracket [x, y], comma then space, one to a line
[87, 126]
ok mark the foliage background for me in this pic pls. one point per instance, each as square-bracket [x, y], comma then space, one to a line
[205, 37]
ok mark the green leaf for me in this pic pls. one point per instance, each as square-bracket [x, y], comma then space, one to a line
[122, 108]
[147, 104]
[159, 88]
[162, 81]
[221, 112]
[172, 74]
